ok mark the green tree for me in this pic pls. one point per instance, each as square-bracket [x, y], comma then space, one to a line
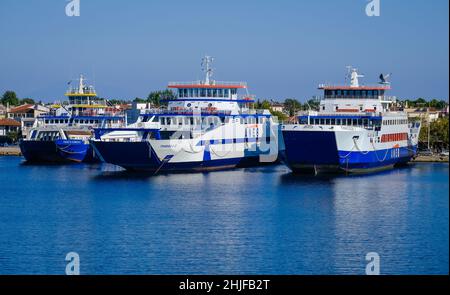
[262, 105]
[27, 101]
[10, 97]
[312, 104]
[281, 116]
[139, 100]
[419, 102]
[159, 98]
[438, 104]
[265, 105]
[14, 136]
[292, 106]
[439, 132]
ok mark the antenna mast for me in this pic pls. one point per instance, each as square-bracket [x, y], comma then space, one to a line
[81, 85]
[206, 66]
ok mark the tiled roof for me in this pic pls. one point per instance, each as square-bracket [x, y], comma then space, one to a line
[9, 122]
[21, 108]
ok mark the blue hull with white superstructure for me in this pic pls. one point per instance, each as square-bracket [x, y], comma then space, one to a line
[353, 131]
[57, 151]
[142, 157]
[63, 135]
[302, 156]
[209, 126]
[41, 152]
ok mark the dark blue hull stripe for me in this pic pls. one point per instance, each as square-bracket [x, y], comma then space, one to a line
[305, 150]
[139, 156]
[58, 151]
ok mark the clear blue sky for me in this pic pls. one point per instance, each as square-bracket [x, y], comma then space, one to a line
[282, 48]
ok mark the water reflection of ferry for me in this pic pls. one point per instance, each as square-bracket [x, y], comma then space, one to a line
[353, 131]
[209, 126]
[63, 135]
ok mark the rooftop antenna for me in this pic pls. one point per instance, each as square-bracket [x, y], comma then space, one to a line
[81, 85]
[206, 67]
[354, 76]
[348, 74]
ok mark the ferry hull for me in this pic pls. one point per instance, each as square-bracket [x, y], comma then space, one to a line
[75, 150]
[58, 151]
[140, 156]
[41, 151]
[318, 152]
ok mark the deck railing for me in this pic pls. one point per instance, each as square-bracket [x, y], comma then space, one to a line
[212, 83]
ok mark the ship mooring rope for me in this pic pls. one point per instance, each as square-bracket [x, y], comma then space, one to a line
[64, 149]
[355, 144]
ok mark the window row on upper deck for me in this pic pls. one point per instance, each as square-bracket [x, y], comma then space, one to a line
[395, 122]
[206, 92]
[362, 122]
[179, 120]
[353, 93]
[77, 121]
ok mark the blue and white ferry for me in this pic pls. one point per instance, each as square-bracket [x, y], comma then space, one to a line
[208, 126]
[353, 131]
[63, 135]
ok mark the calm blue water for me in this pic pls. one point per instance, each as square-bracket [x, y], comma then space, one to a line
[262, 220]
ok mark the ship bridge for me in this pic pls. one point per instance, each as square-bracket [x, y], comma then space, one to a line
[210, 94]
[83, 99]
[355, 98]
